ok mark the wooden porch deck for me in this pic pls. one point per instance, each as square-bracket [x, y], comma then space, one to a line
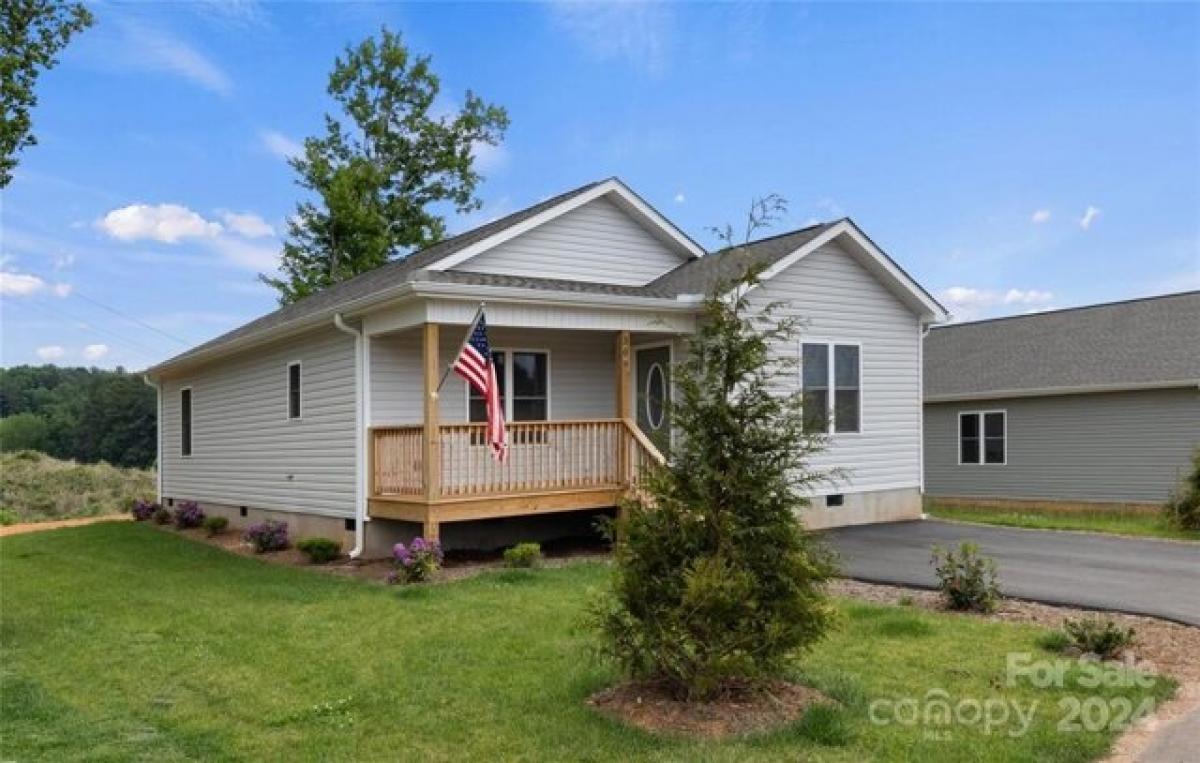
[552, 466]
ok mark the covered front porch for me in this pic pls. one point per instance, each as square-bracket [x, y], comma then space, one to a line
[579, 436]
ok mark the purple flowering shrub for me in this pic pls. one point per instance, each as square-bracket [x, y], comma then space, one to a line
[188, 514]
[415, 562]
[267, 535]
[143, 511]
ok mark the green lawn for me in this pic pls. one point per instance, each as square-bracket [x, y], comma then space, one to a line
[1113, 522]
[120, 642]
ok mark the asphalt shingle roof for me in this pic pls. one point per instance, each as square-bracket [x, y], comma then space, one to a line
[1138, 342]
[696, 276]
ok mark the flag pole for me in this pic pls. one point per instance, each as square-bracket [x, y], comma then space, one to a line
[463, 343]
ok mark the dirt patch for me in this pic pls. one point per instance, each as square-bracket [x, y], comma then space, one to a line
[58, 524]
[1170, 648]
[649, 707]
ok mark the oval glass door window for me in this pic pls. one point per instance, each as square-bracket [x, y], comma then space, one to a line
[656, 393]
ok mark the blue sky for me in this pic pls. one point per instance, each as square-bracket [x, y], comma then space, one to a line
[970, 142]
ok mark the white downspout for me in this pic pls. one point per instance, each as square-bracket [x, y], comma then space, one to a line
[360, 499]
[158, 437]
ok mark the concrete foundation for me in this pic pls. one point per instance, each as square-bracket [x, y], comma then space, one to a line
[864, 508]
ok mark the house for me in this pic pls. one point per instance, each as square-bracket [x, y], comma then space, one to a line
[1097, 404]
[328, 412]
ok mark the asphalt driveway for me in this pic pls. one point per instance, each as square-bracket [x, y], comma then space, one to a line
[1149, 577]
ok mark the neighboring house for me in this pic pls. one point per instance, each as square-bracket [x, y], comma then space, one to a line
[327, 412]
[1096, 404]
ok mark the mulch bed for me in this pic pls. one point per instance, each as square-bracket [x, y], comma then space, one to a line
[649, 707]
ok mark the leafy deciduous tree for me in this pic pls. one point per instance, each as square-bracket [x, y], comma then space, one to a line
[378, 182]
[32, 32]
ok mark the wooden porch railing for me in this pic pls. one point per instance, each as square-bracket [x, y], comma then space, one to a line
[544, 456]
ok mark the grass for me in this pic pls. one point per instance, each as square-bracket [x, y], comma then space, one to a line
[1111, 522]
[121, 642]
[35, 488]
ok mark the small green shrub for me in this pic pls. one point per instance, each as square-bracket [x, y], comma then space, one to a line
[320, 550]
[215, 525]
[1183, 508]
[906, 601]
[1098, 635]
[967, 580]
[523, 555]
[8, 517]
[1054, 641]
[162, 516]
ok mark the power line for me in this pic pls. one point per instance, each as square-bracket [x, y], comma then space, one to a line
[141, 349]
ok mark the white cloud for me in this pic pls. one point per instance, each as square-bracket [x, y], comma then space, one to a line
[488, 157]
[635, 32]
[168, 223]
[257, 257]
[51, 352]
[155, 49]
[26, 284]
[1040, 216]
[279, 144]
[95, 351]
[247, 224]
[967, 302]
[1089, 216]
[680, 198]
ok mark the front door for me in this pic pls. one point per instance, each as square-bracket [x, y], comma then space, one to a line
[652, 385]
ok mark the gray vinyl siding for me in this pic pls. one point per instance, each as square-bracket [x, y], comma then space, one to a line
[836, 299]
[582, 373]
[245, 451]
[1119, 446]
[596, 242]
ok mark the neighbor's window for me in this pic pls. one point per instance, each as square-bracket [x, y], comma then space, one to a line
[293, 390]
[982, 437]
[185, 422]
[527, 374]
[826, 367]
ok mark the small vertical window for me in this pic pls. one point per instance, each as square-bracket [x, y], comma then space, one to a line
[185, 422]
[968, 438]
[846, 388]
[815, 380]
[293, 387]
[982, 437]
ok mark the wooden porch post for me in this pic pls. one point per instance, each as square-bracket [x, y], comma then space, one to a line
[431, 454]
[624, 393]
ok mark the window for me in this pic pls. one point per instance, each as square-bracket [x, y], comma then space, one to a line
[527, 374]
[185, 421]
[982, 437]
[293, 390]
[832, 387]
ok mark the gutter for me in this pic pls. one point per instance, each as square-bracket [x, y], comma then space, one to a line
[360, 499]
[158, 441]
[1052, 391]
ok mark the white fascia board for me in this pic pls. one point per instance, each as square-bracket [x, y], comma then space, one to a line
[1052, 391]
[547, 297]
[611, 186]
[932, 311]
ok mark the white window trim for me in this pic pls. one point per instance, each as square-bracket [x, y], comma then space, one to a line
[287, 391]
[191, 422]
[831, 397]
[508, 371]
[982, 437]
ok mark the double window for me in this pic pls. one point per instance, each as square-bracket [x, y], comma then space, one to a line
[982, 437]
[527, 374]
[831, 380]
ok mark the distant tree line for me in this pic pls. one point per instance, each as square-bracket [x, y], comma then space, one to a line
[86, 414]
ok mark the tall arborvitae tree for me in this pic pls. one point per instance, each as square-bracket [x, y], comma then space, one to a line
[32, 32]
[716, 582]
[379, 181]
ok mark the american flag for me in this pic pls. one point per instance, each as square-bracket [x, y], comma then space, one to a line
[475, 365]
